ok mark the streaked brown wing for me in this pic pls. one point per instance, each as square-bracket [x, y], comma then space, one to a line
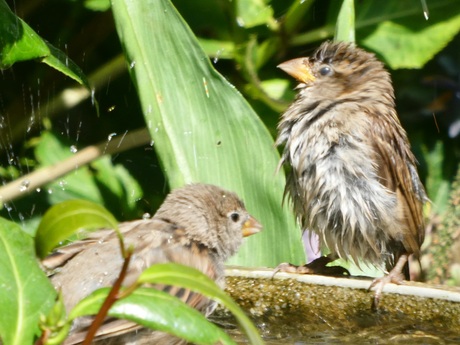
[87, 265]
[396, 168]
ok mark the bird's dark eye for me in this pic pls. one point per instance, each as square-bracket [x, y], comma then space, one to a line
[235, 217]
[325, 70]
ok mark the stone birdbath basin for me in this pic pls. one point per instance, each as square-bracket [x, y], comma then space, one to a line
[311, 309]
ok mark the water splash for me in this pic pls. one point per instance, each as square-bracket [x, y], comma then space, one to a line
[24, 186]
[93, 96]
[66, 56]
[8, 207]
[32, 115]
[79, 130]
[63, 184]
[122, 138]
[426, 12]
[218, 54]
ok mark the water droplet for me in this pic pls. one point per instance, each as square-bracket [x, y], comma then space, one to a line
[73, 149]
[93, 96]
[146, 215]
[152, 142]
[111, 135]
[426, 12]
[38, 190]
[50, 191]
[218, 54]
[24, 185]
[132, 64]
[62, 184]
[240, 21]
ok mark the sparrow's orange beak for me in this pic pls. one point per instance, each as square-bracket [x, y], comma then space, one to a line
[299, 69]
[251, 227]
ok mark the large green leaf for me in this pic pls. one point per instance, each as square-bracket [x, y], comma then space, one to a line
[397, 29]
[203, 129]
[402, 34]
[19, 42]
[102, 182]
[250, 13]
[79, 184]
[404, 47]
[345, 27]
[157, 310]
[190, 278]
[25, 291]
[64, 219]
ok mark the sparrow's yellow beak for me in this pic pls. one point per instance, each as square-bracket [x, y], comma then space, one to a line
[298, 68]
[251, 227]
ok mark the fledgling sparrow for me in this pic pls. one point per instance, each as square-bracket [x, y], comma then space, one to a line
[352, 177]
[199, 225]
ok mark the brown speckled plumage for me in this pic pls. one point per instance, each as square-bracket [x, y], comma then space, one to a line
[198, 225]
[352, 176]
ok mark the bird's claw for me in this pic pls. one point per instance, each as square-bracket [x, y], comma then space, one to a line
[317, 266]
[379, 284]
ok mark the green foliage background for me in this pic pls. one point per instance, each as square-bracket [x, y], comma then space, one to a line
[203, 82]
[44, 113]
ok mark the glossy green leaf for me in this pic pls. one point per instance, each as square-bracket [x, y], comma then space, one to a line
[61, 62]
[345, 26]
[97, 5]
[25, 291]
[19, 42]
[404, 47]
[65, 219]
[102, 182]
[396, 29]
[78, 184]
[157, 310]
[203, 129]
[190, 278]
[218, 49]
[437, 185]
[250, 13]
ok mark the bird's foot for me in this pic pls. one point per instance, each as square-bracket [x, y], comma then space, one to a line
[395, 276]
[317, 266]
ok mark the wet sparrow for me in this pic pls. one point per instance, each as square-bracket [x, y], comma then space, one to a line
[198, 225]
[352, 177]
